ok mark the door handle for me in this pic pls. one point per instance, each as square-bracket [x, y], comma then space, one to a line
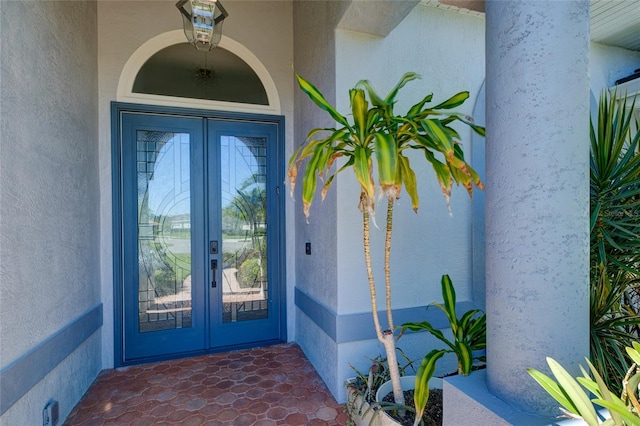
[214, 270]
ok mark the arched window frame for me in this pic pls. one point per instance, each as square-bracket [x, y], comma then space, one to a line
[144, 52]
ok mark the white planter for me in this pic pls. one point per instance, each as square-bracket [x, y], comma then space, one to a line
[407, 382]
[361, 412]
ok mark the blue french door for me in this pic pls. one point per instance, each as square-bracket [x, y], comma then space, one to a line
[200, 235]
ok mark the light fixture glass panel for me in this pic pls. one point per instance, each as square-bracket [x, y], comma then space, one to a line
[202, 22]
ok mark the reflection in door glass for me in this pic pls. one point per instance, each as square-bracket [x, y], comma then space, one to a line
[164, 231]
[244, 228]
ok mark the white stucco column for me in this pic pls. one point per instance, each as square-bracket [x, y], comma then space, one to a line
[537, 197]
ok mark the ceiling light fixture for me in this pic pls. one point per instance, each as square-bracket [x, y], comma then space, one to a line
[202, 21]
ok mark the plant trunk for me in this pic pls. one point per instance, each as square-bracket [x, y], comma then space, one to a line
[389, 340]
[387, 262]
[386, 337]
[390, 347]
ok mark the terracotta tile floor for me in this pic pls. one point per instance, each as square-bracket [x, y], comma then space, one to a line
[274, 385]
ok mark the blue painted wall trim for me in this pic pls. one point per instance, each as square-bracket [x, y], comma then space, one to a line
[354, 327]
[27, 371]
[319, 314]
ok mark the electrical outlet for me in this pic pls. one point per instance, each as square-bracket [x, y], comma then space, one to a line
[50, 413]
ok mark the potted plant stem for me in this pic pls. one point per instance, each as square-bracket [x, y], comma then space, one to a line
[377, 135]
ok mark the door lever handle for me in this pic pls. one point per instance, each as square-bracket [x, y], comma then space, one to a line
[214, 269]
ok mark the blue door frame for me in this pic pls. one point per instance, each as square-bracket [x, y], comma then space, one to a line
[206, 329]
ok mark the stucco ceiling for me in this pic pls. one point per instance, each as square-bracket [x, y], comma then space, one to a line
[613, 22]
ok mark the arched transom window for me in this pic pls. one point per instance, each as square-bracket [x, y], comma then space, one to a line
[168, 71]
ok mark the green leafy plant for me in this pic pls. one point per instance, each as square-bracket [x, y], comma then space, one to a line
[615, 237]
[366, 385]
[378, 136]
[612, 324]
[423, 376]
[573, 394]
[615, 185]
[251, 272]
[469, 331]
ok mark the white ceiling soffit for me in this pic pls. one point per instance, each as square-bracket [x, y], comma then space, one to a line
[470, 7]
[616, 23]
[613, 22]
[387, 14]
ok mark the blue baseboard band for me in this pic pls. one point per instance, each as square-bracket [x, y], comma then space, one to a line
[354, 327]
[27, 371]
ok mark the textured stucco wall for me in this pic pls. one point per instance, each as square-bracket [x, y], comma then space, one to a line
[314, 53]
[319, 349]
[431, 243]
[81, 366]
[264, 27]
[49, 192]
[607, 64]
[537, 198]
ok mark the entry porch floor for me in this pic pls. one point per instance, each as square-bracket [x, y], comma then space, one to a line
[273, 385]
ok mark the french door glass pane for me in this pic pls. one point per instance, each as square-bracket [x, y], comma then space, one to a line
[164, 230]
[244, 228]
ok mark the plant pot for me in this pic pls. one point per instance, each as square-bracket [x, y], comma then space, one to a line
[407, 382]
[359, 410]
[361, 413]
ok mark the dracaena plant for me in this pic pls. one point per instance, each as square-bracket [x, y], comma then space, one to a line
[573, 394]
[374, 143]
[469, 331]
[469, 335]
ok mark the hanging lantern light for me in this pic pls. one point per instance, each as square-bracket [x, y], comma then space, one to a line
[202, 21]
